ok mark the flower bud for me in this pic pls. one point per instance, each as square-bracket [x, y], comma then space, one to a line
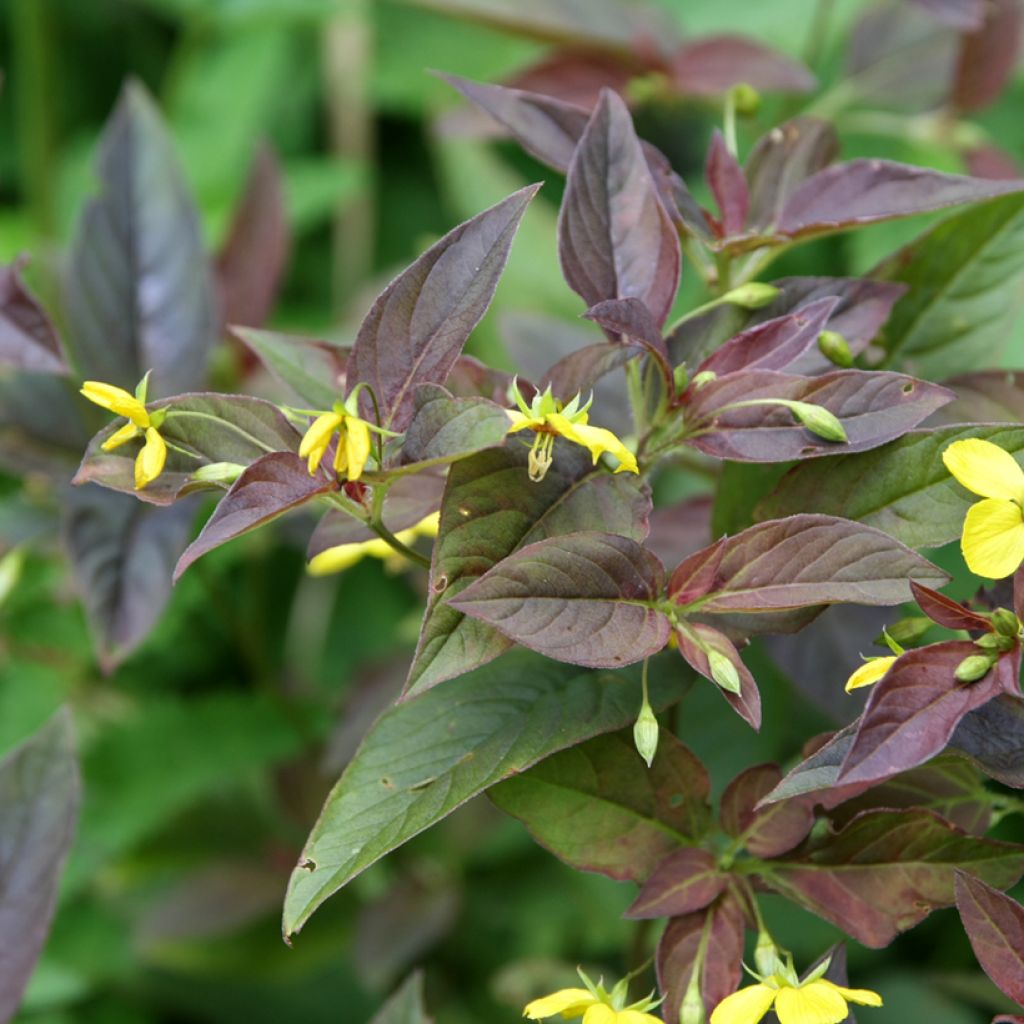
[723, 671]
[1006, 623]
[904, 633]
[818, 420]
[766, 955]
[681, 377]
[753, 295]
[225, 473]
[704, 377]
[973, 668]
[645, 734]
[746, 100]
[692, 1009]
[834, 347]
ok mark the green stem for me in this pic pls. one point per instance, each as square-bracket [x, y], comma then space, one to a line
[403, 549]
[729, 124]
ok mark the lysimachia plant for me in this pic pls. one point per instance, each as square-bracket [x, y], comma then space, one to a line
[555, 640]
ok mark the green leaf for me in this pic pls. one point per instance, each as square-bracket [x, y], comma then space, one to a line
[490, 509]
[445, 429]
[599, 808]
[427, 756]
[964, 275]
[902, 488]
[39, 791]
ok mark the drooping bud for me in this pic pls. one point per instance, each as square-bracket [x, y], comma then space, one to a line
[704, 377]
[723, 671]
[835, 348]
[645, 734]
[746, 100]
[818, 420]
[752, 295]
[225, 473]
[974, 667]
[1006, 623]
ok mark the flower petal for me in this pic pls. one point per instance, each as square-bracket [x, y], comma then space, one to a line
[863, 996]
[636, 1017]
[566, 999]
[120, 437]
[149, 463]
[870, 672]
[747, 1006]
[993, 538]
[598, 1013]
[985, 469]
[314, 457]
[344, 556]
[596, 439]
[116, 400]
[521, 422]
[357, 446]
[319, 433]
[815, 1003]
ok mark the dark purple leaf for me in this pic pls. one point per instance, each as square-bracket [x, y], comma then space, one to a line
[578, 598]
[988, 56]
[773, 344]
[677, 953]
[122, 553]
[947, 612]
[995, 925]
[138, 287]
[805, 560]
[505, 512]
[598, 807]
[767, 831]
[578, 372]
[912, 713]
[630, 320]
[887, 870]
[989, 396]
[313, 370]
[746, 703]
[444, 428]
[965, 15]
[713, 64]
[995, 163]
[268, 488]
[615, 238]
[782, 159]
[39, 794]
[415, 330]
[728, 186]
[214, 428]
[993, 738]
[576, 76]
[43, 427]
[873, 407]
[472, 379]
[685, 881]
[253, 258]
[678, 531]
[866, 191]
[28, 339]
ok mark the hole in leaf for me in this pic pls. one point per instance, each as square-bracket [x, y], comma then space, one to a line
[306, 864]
[440, 584]
[387, 783]
[908, 388]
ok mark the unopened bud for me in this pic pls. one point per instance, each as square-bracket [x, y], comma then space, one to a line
[1006, 623]
[723, 671]
[835, 348]
[704, 377]
[692, 1010]
[818, 420]
[973, 668]
[904, 633]
[746, 100]
[681, 378]
[218, 473]
[645, 734]
[995, 642]
[753, 295]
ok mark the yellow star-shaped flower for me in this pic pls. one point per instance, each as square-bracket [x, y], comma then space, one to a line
[344, 556]
[353, 449]
[993, 534]
[814, 1001]
[595, 1007]
[149, 463]
[548, 418]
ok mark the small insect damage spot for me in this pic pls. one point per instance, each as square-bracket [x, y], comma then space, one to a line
[307, 864]
[387, 782]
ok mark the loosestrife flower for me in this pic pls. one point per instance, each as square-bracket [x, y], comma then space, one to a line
[149, 463]
[343, 556]
[993, 535]
[353, 448]
[815, 1000]
[594, 1004]
[548, 418]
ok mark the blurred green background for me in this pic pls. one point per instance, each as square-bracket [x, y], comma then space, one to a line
[207, 754]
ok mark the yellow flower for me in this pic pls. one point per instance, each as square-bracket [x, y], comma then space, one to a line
[343, 556]
[870, 672]
[149, 463]
[353, 450]
[548, 418]
[594, 1004]
[993, 536]
[814, 1001]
